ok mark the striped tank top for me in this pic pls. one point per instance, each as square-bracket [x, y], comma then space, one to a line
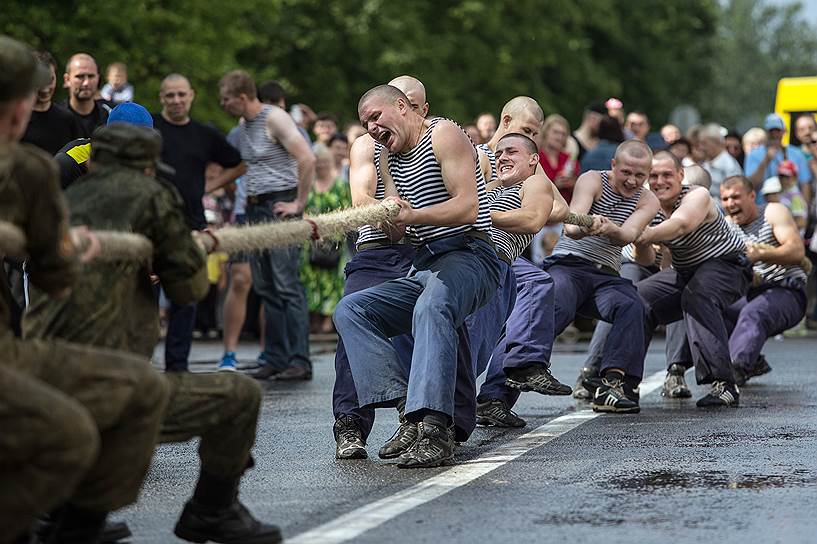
[708, 241]
[368, 233]
[599, 249]
[491, 160]
[418, 178]
[760, 231]
[506, 199]
[270, 167]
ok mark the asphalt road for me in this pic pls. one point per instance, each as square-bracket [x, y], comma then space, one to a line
[671, 473]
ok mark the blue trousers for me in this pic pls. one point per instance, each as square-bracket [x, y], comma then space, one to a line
[277, 282]
[450, 279]
[583, 289]
[762, 313]
[701, 297]
[528, 335]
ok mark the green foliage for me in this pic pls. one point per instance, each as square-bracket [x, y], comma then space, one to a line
[473, 55]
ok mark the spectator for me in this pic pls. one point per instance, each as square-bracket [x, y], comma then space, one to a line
[281, 168]
[206, 311]
[326, 126]
[117, 90]
[486, 125]
[803, 129]
[697, 155]
[354, 131]
[772, 189]
[670, 133]
[811, 143]
[321, 264]
[615, 109]
[188, 146]
[81, 78]
[734, 147]
[752, 139]
[271, 92]
[681, 148]
[609, 136]
[553, 155]
[718, 162]
[638, 124]
[339, 146]
[791, 197]
[763, 162]
[587, 135]
[51, 126]
[473, 132]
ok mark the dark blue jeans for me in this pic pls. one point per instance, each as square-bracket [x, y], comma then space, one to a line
[180, 322]
[277, 282]
[583, 289]
[450, 279]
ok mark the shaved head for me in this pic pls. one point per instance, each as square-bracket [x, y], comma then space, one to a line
[696, 175]
[410, 86]
[526, 142]
[77, 59]
[523, 105]
[174, 79]
[389, 93]
[634, 148]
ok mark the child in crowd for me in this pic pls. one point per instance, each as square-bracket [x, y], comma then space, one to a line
[117, 90]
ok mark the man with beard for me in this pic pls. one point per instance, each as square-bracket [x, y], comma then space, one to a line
[81, 78]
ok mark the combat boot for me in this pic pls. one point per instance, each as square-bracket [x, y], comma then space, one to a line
[231, 525]
[75, 525]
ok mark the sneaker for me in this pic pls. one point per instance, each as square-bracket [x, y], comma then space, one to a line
[434, 447]
[675, 386]
[349, 439]
[403, 438]
[496, 413]
[233, 524]
[761, 367]
[536, 378]
[228, 362]
[721, 394]
[579, 390]
[609, 396]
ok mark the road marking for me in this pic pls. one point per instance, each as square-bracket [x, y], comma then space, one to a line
[365, 518]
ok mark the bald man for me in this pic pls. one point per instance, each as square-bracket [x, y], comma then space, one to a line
[585, 267]
[189, 146]
[528, 336]
[81, 79]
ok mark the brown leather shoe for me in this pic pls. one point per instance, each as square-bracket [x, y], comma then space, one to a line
[265, 372]
[294, 373]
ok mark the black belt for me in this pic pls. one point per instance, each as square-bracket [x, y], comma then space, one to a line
[379, 243]
[503, 257]
[272, 195]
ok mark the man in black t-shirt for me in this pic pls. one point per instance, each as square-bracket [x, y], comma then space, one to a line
[188, 146]
[81, 78]
[51, 126]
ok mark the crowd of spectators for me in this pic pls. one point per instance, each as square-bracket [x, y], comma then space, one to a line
[209, 169]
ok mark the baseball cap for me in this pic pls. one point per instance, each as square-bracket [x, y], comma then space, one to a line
[772, 185]
[774, 121]
[787, 168]
[20, 72]
[132, 113]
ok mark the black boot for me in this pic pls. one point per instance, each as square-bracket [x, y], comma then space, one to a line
[215, 513]
[74, 525]
[112, 531]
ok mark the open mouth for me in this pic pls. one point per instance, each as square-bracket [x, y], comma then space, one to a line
[505, 168]
[385, 138]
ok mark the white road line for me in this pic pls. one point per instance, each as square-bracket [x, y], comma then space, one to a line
[365, 518]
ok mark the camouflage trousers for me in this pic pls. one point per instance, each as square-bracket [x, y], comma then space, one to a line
[221, 408]
[79, 424]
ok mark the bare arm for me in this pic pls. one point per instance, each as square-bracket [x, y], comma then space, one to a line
[587, 189]
[227, 175]
[281, 127]
[457, 159]
[791, 250]
[362, 173]
[695, 208]
[537, 205]
[560, 207]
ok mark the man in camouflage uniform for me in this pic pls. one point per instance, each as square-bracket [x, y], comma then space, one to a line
[78, 424]
[114, 306]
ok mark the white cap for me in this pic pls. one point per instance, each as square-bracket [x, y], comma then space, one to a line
[771, 185]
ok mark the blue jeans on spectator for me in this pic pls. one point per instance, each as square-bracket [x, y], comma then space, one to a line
[179, 338]
[276, 281]
[450, 279]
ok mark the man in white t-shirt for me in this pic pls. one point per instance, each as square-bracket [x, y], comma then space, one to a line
[719, 163]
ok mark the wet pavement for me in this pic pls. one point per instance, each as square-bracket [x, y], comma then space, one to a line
[671, 473]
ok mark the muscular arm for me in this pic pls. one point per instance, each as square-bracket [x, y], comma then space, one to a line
[585, 192]
[224, 177]
[537, 205]
[456, 156]
[281, 127]
[791, 250]
[362, 173]
[695, 208]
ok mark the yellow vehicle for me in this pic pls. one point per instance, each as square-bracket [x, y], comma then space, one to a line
[796, 96]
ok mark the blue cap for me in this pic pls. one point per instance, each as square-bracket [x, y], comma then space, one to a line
[774, 121]
[132, 113]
